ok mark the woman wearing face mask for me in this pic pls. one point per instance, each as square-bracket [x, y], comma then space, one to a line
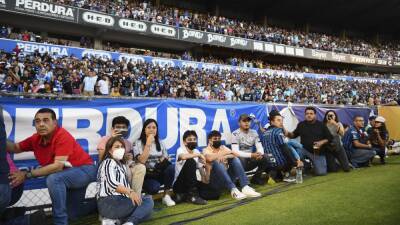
[188, 159]
[115, 198]
[151, 152]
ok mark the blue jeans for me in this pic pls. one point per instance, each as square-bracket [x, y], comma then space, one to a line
[319, 162]
[360, 156]
[67, 191]
[122, 208]
[152, 185]
[6, 200]
[296, 148]
[222, 178]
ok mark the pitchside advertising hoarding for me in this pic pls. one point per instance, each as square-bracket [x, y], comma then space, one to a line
[89, 120]
[98, 19]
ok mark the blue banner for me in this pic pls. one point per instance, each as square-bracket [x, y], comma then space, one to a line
[60, 51]
[88, 121]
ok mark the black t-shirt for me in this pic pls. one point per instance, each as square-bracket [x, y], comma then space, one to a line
[67, 87]
[311, 132]
[247, 97]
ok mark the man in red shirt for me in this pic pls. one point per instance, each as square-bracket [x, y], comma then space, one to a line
[69, 169]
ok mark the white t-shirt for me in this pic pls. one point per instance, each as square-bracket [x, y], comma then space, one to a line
[103, 86]
[89, 82]
[229, 95]
[154, 155]
[179, 164]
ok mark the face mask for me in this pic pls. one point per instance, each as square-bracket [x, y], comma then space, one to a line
[216, 144]
[118, 153]
[191, 145]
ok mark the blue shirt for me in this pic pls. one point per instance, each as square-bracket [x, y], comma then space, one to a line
[352, 134]
[271, 140]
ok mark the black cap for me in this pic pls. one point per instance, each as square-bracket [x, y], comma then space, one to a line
[371, 118]
[244, 117]
[274, 113]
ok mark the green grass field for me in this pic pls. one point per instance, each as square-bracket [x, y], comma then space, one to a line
[363, 196]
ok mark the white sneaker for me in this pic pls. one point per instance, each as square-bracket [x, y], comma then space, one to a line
[289, 179]
[250, 192]
[236, 194]
[167, 200]
[106, 221]
[128, 223]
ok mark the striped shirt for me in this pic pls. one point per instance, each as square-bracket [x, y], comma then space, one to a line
[110, 175]
[271, 140]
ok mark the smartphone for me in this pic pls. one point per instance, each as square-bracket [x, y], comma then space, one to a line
[122, 132]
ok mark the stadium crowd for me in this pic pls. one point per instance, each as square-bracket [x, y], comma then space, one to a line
[142, 10]
[43, 73]
[128, 168]
[86, 42]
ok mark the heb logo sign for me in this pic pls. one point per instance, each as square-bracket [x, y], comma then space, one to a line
[132, 25]
[44, 8]
[98, 19]
[162, 30]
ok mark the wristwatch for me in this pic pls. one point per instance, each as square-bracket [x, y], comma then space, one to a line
[29, 175]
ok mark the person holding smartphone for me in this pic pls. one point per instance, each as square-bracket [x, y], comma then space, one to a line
[336, 150]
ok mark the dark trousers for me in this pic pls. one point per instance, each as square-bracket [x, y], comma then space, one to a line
[262, 165]
[336, 151]
[152, 184]
[186, 182]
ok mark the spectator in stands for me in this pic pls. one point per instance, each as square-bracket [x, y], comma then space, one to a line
[150, 151]
[314, 137]
[356, 143]
[89, 82]
[335, 148]
[246, 143]
[188, 160]
[9, 85]
[378, 136]
[104, 85]
[136, 171]
[275, 145]
[223, 168]
[69, 169]
[115, 198]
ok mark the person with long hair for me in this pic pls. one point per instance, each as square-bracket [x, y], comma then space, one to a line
[116, 200]
[331, 120]
[378, 136]
[151, 152]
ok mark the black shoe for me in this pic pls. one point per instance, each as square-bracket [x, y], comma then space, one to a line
[37, 217]
[11, 213]
[196, 200]
[258, 180]
[179, 197]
